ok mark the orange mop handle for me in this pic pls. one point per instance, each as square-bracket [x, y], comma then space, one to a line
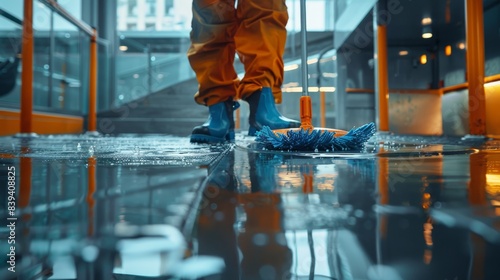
[306, 112]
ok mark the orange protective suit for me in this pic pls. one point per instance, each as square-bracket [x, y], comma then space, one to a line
[255, 29]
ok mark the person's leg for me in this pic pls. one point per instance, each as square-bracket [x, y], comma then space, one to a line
[211, 56]
[260, 43]
[212, 50]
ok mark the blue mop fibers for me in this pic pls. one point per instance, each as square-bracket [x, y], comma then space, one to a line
[315, 140]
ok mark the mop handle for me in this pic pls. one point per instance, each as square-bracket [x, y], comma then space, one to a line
[303, 37]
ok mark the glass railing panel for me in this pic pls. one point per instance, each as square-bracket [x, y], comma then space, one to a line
[61, 58]
[348, 15]
[14, 8]
[319, 15]
[70, 62]
[104, 77]
[492, 39]
[10, 46]
[132, 77]
[42, 17]
[137, 77]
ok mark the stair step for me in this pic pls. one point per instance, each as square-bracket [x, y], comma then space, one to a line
[170, 126]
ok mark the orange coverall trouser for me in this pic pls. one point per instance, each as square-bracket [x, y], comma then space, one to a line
[255, 29]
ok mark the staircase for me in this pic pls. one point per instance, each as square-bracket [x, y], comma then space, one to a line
[171, 111]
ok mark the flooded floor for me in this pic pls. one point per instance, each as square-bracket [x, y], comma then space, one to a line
[158, 207]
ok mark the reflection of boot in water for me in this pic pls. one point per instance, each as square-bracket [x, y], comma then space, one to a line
[262, 240]
[221, 174]
[215, 232]
[262, 171]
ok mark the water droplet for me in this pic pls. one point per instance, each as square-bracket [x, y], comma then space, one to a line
[359, 213]
[90, 253]
[260, 239]
[351, 221]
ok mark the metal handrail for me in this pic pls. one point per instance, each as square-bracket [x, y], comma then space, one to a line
[26, 122]
[54, 6]
[10, 17]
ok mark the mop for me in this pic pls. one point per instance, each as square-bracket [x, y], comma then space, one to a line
[308, 138]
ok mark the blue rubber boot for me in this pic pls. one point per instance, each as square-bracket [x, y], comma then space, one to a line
[219, 127]
[263, 112]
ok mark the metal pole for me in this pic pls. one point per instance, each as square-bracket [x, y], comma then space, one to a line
[382, 79]
[92, 119]
[27, 74]
[303, 37]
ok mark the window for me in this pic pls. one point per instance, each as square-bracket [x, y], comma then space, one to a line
[132, 7]
[169, 4]
[132, 26]
[150, 7]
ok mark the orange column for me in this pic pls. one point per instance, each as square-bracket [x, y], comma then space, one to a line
[475, 66]
[383, 79]
[27, 72]
[93, 83]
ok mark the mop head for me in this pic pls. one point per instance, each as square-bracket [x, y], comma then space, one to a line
[315, 140]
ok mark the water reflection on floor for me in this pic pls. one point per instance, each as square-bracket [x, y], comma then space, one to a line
[159, 207]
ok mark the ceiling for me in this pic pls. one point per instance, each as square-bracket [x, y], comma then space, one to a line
[404, 29]
[448, 22]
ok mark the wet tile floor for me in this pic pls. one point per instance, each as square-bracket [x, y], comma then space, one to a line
[158, 207]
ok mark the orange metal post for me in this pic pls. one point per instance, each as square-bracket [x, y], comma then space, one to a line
[475, 66]
[93, 83]
[27, 72]
[383, 79]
